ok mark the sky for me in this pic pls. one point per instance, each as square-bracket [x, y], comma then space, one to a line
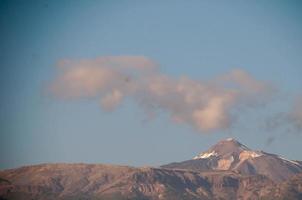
[147, 82]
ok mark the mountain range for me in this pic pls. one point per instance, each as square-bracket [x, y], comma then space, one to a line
[228, 170]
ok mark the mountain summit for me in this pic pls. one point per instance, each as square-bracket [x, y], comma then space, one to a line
[229, 154]
[224, 148]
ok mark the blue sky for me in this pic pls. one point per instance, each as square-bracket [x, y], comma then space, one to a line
[199, 39]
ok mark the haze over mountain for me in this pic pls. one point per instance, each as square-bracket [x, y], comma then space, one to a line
[228, 170]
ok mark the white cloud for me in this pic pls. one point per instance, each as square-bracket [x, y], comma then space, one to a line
[205, 105]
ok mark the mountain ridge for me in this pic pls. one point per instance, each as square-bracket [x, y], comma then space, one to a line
[199, 179]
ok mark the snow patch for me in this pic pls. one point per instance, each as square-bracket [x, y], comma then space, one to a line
[249, 154]
[293, 162]
[205, 155]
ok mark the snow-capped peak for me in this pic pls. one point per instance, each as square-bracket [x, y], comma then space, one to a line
[223, 149]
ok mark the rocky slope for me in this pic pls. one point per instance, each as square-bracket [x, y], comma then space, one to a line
[210, 175]
[287, 190]
[84, 181]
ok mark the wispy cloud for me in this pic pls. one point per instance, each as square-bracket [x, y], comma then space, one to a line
[288, 121]
[295, 115]
[205, 105]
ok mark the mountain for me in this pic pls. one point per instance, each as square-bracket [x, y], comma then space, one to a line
[231, 155]
[213, 174]
[106, 182]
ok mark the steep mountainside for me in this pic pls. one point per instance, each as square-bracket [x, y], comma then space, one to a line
[229, 154]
